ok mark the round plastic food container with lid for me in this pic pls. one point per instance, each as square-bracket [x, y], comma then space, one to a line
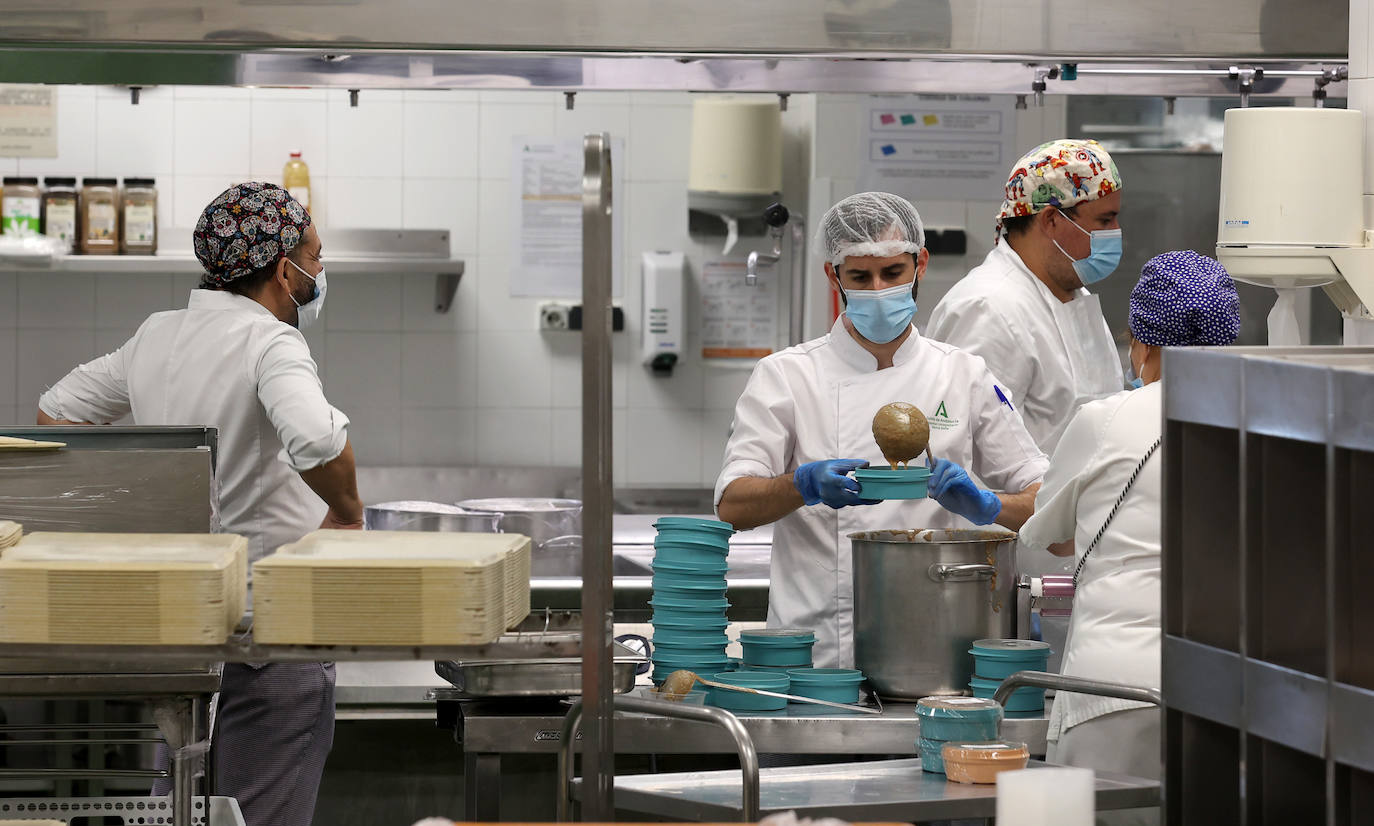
[838, 685]
[886, 483]
[745, 701]
[958, 718]
[778, 646]
[981, 762]
[999, 659]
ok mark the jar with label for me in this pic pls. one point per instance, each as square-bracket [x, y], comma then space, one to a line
[99, 216]
[139, 233]
[59, 210]
[21, 207]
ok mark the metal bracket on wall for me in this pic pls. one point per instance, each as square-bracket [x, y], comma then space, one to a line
[446, 287]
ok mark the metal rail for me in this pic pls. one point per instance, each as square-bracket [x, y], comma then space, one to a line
[597, 489]
[1061, 682]
[744, 746]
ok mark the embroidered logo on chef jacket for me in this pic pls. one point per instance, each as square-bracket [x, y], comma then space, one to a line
[941, 420]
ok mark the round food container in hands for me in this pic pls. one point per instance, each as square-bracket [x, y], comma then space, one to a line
[838, 685]
[886, 483]
[981, 762]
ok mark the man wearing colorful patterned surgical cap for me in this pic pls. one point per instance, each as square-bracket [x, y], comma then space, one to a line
[1026, 309]
[235, 360]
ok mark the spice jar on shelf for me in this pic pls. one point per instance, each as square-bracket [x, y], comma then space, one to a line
[21, 206]
[59, 210]
[138, 235]
[99, 216]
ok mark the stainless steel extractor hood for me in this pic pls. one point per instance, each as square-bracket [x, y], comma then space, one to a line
[765, 45]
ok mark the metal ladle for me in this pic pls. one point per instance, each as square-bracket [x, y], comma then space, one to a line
[789, 697]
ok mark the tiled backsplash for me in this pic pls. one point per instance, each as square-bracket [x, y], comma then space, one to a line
[480, 384]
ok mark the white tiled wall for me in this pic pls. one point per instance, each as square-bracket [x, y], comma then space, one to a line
[480, 384]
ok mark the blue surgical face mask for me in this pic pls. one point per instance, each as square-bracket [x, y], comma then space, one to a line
[881, 315]
[1136, 382]
[309, 312]
[1104, 254]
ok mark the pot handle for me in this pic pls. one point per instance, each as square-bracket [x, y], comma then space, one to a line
[966, 572]
[569, 541]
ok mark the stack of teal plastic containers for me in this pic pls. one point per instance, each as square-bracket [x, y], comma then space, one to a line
[995, 660]
[689, 601]
[953, 720]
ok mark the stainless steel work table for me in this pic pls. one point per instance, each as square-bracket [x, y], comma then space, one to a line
[888, 790]
[488, 730]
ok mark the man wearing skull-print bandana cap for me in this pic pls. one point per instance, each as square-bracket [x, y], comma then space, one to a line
[235, 359]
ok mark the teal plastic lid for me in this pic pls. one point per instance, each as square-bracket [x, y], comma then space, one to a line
[691, 522]
[826, 676]
[778, 636]
[887, 474]
[1010, 646]
[958, 708]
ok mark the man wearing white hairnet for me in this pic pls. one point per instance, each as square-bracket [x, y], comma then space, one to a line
[1025, 309]
[804, 422]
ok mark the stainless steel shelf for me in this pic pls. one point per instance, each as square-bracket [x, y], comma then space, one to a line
[243, 649]
[887, 790]
[187, 265]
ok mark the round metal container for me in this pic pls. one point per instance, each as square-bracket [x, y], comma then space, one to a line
[427, 516]
[921, 598]
[554, 527]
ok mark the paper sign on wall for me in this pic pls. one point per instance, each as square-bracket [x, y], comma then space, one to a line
[28, 121]
[738, 321]
[547, 237]
[939, 147]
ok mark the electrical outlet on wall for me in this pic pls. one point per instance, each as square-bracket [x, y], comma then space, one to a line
[554, 316]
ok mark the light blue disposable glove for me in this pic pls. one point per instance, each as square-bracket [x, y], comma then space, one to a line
[950, 486]
[826, 481]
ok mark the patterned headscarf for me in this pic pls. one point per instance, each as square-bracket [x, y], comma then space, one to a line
[248, 227]
[1061, 174]
[1184, 300]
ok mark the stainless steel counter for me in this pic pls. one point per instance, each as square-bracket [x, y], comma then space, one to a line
[487, 731]
[889, 790]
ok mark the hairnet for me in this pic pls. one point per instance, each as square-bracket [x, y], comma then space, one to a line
[871, 223]
[248, 227]
[1184, 299]
[1060, 173]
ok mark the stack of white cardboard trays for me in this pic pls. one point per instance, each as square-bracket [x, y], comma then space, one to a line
[392, 588]
[123, 589]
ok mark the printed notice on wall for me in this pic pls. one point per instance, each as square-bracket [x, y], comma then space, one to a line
[939, 147]
[738, 321]
[28, 121]
[547, 237]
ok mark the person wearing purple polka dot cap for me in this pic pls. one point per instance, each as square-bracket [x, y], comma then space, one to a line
[1108, 458]
[1182, 300]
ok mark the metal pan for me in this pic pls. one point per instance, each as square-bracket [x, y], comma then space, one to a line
[533, 678]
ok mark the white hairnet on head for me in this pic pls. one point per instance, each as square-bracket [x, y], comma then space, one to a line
[871, 223]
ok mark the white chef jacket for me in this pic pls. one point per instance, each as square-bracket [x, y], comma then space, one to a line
[817, 401]
[1054, 356]
[1114, 633]
[224, 362]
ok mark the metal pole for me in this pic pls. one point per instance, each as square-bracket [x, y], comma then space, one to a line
[598, 755]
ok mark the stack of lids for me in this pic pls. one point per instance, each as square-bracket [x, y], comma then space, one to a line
[994, 660]
[777, 648]
[123, 589]
[953, 720]
[689, 595]
[10, 533]
[392, 588]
